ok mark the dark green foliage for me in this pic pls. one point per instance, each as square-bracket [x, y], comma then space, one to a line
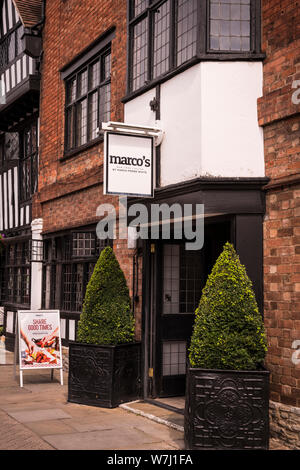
[228, 331]
[106, 316]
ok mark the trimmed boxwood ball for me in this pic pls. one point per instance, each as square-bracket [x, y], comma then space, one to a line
[106, 316]
[228, 331]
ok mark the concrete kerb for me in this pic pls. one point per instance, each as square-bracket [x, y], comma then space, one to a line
[131, 409]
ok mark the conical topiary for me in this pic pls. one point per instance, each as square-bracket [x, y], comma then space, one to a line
[106, 316]
[228, 331]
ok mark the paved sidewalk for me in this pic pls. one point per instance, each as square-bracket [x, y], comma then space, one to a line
[38, 417]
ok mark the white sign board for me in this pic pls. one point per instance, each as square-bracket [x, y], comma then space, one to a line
[128, 164]
[39, 339]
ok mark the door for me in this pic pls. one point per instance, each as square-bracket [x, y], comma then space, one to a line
[180, 278]
[177, 279]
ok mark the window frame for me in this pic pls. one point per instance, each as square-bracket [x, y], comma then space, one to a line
[18, 271]
[61, 257]
[103, 82]
[5, 45]
[32, 158]
[203, 53]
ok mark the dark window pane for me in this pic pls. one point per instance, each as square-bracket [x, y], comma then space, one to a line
[230, 25]
[33, 138]
[104, 103]
[139, 54]
[138, 6]
[106, 66]
[82, 83]
[70, 127]
[71, 90]
[34, 173]
[12, 47]
[84, 244]
[93, 116]
[25, 179]
[67, 287]
[84, 95]
[27, 142]
[186, 30]
[11, 146]
[81, 119]
[78, 287]
[161, 40]
[94, 80]
[19, 33]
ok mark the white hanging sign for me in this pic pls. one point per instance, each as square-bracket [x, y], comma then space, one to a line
[128, 164]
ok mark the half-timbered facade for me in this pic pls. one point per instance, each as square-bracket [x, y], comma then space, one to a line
[20, 54]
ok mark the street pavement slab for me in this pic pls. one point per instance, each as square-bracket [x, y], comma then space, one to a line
[39, 417]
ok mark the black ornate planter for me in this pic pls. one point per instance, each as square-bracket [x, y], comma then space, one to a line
[104, 376]
[226, 410]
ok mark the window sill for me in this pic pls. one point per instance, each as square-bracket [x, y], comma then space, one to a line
[72, 153]
[210, 56]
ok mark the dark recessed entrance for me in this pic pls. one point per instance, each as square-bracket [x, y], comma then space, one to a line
[176, 281]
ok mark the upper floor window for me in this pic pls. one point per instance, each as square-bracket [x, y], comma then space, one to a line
[11, 32]
[88, 101]
[29, 161]
[164, 35]
[9, 148]
[230, 22]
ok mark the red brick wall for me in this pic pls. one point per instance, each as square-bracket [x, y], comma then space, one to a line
[280, 118]
[282, 290]
[71, 190]
[70, 27]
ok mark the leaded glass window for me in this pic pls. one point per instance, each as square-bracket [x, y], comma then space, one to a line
[88, 101]
[167, 35]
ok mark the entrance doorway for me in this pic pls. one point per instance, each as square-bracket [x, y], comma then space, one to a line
[176, 282]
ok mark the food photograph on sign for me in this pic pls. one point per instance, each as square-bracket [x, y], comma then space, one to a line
[39, 336]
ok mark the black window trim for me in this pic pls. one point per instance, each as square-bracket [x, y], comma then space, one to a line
[4, 45]
[203, 53]
[34, 155]
[90, 91]
[85, 58]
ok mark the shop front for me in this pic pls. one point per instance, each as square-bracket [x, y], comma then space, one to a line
[174, 274]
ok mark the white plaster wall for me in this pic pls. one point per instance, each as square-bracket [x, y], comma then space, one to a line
[232, 143]
[181, 119]
[138, 111]
[209, 115]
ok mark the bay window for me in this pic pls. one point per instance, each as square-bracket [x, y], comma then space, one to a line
[167, 35]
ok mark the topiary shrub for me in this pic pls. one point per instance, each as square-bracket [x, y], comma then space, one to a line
[106, 316]
[228, 331]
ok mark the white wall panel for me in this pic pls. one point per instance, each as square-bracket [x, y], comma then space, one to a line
[27, 218]
[5, 201]
[10, 17]
[4, 18]
[209, 115]
[10, 198]
[22, 216]
[232, 143]
[1, 207]
[16, 195]
[181, 119]
[138, 111]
